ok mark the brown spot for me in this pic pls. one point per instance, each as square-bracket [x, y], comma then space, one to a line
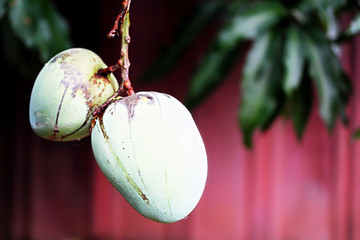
[148, 96]
[61, 57]
[102, 78]
[100, 84]
[55, 132]
[131, 101]
[102, 127]
[143, 196]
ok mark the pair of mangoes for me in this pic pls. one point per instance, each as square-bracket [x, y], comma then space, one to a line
[146, 144]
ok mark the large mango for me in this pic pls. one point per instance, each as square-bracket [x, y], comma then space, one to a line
[150, 149]
[66, 92]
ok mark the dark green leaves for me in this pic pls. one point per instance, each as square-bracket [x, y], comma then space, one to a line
[250, 20]
[270, 86]
[296, 81]
[189, 29]
[3, 8]
[39, 26]
[293, 59]
[311, 5]
[333, 86]
[244, 23]
[351, 31]
[292, 54]
[299, 104]
[356, 134]
[261, 84]
[262, 96]
[354, 26]
[15, 53]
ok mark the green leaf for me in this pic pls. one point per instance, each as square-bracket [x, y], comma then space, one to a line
[3, 8]
[14, 52]
[296, 82]
[310, 5]
[212, 70]
[244, 23]
[300, 103]
[39, 26]
[356, 134]
[261, 84]
[293, 59]
[250, 20]
[354, 26]
[351, 31]
[203, 15]
[332, 84]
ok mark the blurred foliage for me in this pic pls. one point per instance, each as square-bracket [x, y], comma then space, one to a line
[294, 52]
[185, 33]
[356, 134]
[32, 31]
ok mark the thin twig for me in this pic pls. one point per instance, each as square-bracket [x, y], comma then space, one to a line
[106, 71]
[120, 19]
[120, 28]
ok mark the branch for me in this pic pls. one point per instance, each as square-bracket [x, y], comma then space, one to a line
[124, 54]
[123, 63]
[120, 19]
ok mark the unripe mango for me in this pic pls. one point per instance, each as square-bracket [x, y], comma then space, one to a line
[150, 149]
[66, 92]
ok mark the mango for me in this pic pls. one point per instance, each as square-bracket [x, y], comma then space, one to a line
[66, 92]
[150, 149]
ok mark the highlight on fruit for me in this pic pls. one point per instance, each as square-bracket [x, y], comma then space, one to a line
[66, 92]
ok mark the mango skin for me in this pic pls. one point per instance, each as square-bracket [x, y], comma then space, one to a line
[149, 148]
[66, 92]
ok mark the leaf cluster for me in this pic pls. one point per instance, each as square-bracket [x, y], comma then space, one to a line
[31, 30]
[293, 58]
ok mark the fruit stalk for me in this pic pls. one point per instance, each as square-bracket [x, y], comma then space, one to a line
[124, 54]
[120, 19]
[123, 63]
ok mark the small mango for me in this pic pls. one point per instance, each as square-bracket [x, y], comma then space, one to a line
[66, 92]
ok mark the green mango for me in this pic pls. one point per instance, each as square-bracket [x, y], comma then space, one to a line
[150, 149]
[66, 92]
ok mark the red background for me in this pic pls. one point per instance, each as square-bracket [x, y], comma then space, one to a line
[281, 189]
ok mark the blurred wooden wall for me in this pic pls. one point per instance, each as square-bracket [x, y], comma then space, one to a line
[282, 189]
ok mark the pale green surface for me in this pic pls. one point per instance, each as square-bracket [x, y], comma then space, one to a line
[155, 150]
[68, 80]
